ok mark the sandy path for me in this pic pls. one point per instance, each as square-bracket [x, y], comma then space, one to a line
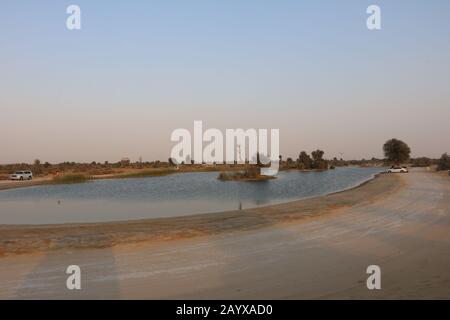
[10, 184]
[406, 234]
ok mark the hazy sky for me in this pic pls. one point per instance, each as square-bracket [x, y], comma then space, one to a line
[139, 69]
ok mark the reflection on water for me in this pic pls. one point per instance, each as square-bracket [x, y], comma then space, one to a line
[174, 195]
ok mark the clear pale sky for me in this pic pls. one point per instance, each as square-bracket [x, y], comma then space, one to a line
[139, 69]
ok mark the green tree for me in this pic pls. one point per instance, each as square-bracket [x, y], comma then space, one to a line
[318, 161]
[317, 155]
[304, 161]
[396, 151]
[37, 169]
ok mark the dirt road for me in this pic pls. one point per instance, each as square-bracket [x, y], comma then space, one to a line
[407, 234]
[9, 184]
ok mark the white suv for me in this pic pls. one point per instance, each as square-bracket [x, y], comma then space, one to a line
[21, 175]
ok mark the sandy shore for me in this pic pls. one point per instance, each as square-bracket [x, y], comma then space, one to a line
[317, 248]
[9, 184]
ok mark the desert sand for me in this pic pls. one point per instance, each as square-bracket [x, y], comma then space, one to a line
[315, 248]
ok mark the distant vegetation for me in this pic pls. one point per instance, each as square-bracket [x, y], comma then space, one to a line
[422, 162]
[396, 152]
[444, 162]
[70, 178]
[146, 173]
[307, 162]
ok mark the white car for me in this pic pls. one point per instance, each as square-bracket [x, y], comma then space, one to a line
[21, 175]
[397, 170]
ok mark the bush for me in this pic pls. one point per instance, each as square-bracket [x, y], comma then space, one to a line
[444, 162]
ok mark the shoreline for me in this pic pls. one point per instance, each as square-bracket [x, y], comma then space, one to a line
[22, 239]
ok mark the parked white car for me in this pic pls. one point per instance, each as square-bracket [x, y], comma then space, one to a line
[397, 170]
[21, 175]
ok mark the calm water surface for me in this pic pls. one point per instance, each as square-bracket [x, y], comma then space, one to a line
[174, 195]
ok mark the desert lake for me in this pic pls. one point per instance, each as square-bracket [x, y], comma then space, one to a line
[166, 196]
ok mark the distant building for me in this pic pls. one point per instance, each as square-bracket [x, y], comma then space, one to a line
[125, 161]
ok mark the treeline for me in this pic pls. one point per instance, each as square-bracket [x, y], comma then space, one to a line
[306, 161]
[443, 163]
[316, 161]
